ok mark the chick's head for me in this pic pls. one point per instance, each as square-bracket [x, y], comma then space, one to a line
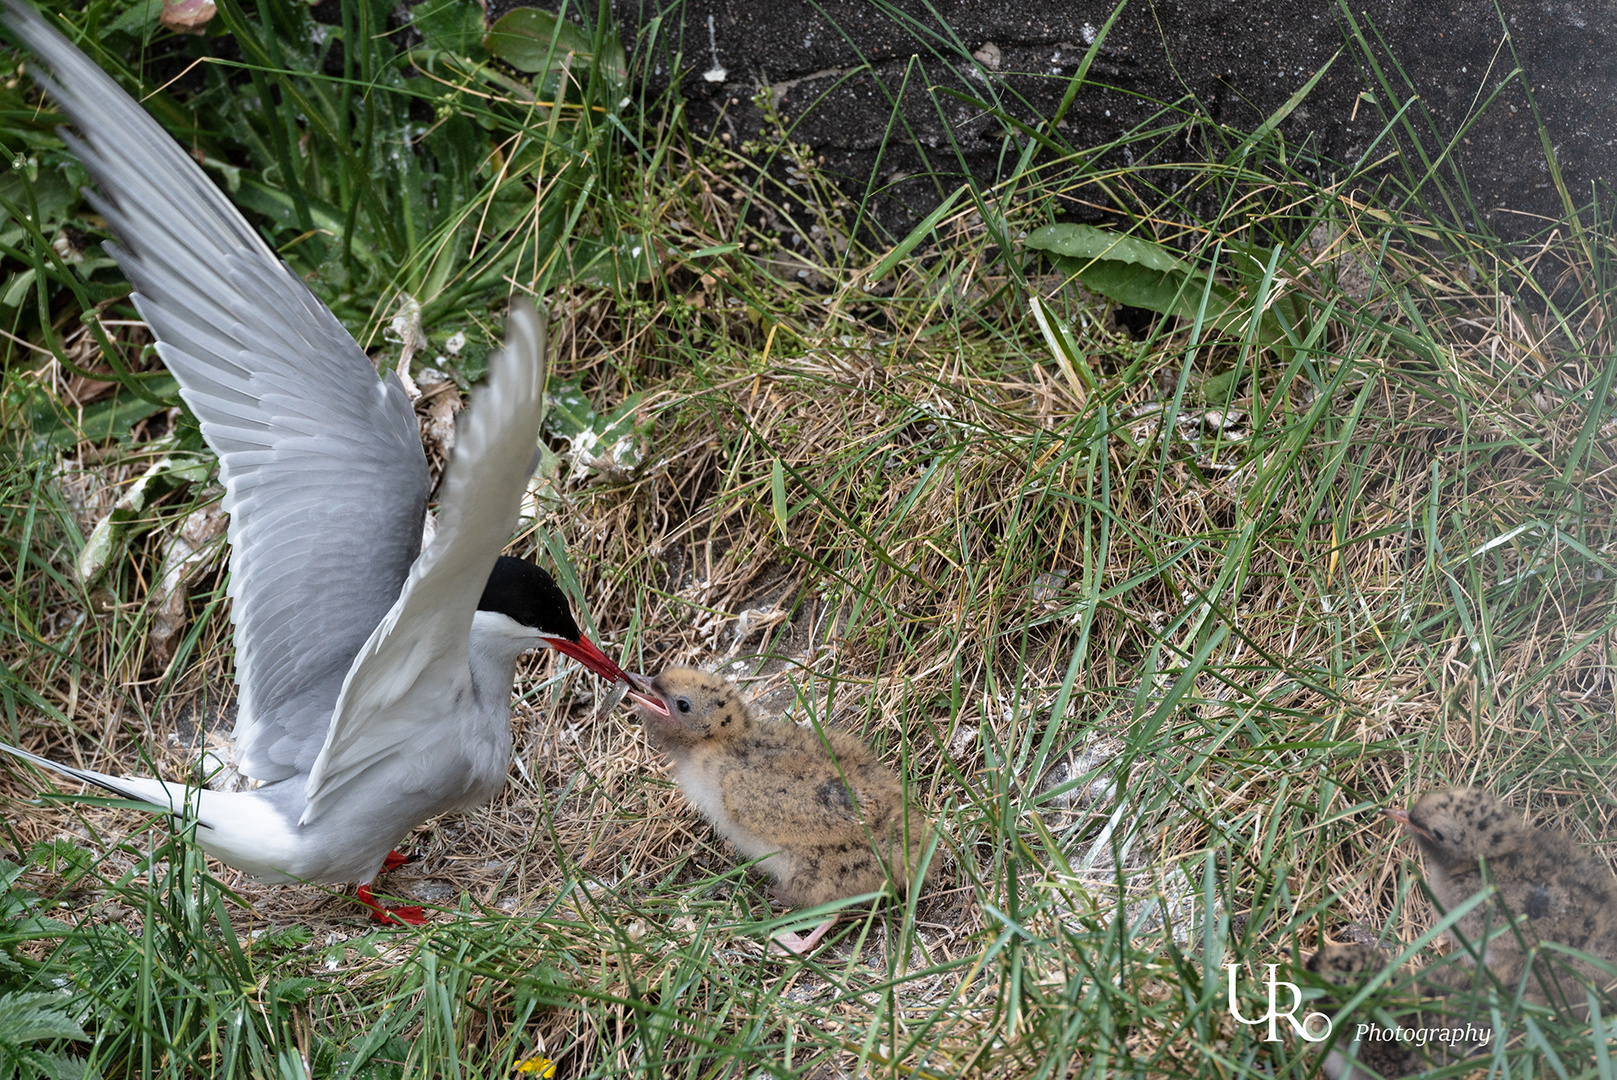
[1457, 827]
[698, 707]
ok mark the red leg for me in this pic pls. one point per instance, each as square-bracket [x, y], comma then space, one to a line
[394, 860]
[412, 916]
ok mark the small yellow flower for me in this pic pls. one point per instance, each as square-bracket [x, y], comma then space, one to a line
[541, 1067]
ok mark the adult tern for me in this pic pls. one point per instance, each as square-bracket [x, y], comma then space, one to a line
[375, 673]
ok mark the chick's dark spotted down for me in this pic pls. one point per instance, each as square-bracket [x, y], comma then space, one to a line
[1545, 890]
[1557, 892]
[827, 819]
[1346, 966]
[1459, 826]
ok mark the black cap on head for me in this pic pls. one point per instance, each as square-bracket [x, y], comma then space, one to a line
[524, 592]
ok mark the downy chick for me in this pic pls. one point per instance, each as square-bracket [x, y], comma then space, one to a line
[827, 819]
[1554, 892]
[1346, 965]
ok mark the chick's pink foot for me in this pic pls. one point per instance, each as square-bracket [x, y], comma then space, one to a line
[411, 915]
[787, 942]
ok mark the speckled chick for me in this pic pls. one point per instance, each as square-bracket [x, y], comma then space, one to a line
[826, 817]
[1348, 965]
[1559, 893]
[1556, 893]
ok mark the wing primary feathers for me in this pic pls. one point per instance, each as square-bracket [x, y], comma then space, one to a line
[430, 626]
[311, 442]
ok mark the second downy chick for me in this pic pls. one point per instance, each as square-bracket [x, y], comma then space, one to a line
[1542, 881]
[1558, 892]
[827, 819]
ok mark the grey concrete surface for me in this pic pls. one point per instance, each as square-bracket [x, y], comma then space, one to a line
[851, 79]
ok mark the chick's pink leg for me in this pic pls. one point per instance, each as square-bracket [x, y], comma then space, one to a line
[788, 942]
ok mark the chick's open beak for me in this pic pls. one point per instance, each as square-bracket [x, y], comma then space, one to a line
[1401, 816]
[645, 696]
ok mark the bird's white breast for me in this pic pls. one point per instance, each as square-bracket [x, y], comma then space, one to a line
[703, 785]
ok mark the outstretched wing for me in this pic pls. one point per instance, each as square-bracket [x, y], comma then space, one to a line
[423, 640]
[325, 480]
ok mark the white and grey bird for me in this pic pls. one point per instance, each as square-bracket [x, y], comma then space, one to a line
[375, 673]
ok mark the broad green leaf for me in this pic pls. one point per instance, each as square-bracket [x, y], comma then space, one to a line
[539, 43]
[1132, 271]
[533, 41]
[109, 419]
[568, 410]
[1089, 242]
[1144, 274]
[140, 18]
[610, 442]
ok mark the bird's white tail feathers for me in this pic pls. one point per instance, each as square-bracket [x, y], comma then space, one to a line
[239, 828]
[161, 796]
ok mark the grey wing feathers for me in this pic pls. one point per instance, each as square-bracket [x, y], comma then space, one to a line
[430, 626]
[325, 480]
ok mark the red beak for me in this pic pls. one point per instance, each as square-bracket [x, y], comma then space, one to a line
[584, 651]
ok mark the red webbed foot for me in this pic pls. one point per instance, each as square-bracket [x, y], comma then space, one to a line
[395, 859]
[402, 916]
